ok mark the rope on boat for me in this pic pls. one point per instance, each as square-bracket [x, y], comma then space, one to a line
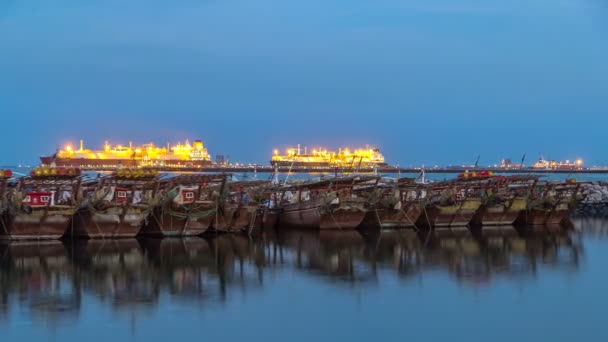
[103, 236]
[378, 218]
[196, 215]
[336, 222]
[4, 228]
[409, 219]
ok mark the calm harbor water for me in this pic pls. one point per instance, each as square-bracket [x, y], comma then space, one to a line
[500, 285]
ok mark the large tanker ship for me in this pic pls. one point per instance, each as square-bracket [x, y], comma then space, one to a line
[179, 155]
[363, 157]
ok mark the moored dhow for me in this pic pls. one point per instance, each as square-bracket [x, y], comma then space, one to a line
[243, 207]
[397, 205]
[42, 205]
[551, 203]
[189, 204]
[117, 205]
[326, 204]
[451, 204]
[504, 200]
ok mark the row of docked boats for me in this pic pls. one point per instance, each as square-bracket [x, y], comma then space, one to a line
[53, 203]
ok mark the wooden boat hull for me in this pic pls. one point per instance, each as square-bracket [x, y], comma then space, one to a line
[392, 218]
[40, 224]
[548, 217]
[234, 219]
[36, 226]
[110, 223]
[166, 222]
[315, 218]
[266, 218]
[456, 215]
[502, 214]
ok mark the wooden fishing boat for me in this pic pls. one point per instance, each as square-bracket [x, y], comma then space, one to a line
[327, 204]
[188, 206]
[242, 203]
[117, 205]
[451, 204]
[504, 212]
[551, 203]
[395, 206]
[42, 205]
[505, 198]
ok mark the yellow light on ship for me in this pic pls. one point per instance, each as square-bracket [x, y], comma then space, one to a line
[138, 150]
[579, 162]
[68, 148]
[276, 152]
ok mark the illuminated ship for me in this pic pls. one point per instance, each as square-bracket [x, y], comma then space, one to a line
[180, 155]
[555, 165]
[324, 158]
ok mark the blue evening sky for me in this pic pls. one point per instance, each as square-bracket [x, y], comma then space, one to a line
[428, 81]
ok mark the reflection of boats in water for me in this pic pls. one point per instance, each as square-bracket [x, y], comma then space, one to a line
[35, 273]
[116, 270]
[137, 275]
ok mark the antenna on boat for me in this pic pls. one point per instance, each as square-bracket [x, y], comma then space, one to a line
[290, 167]
[421, 179]
[275, 178]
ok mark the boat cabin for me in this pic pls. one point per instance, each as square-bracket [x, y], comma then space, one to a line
[121, 195]
[38, 199]
[188, 195]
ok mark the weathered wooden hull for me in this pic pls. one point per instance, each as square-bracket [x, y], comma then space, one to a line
[166, 222]
[36, 226]
[457, 215]
[234, 219]
[315, 218]
[501, 214]
[392, 218]
[266, 218]
[548, 217]
[110, 223]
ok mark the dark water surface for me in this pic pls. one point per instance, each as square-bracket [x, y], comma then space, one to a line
[500, 285]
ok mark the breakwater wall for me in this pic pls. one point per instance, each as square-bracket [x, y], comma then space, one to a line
[595, 201]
